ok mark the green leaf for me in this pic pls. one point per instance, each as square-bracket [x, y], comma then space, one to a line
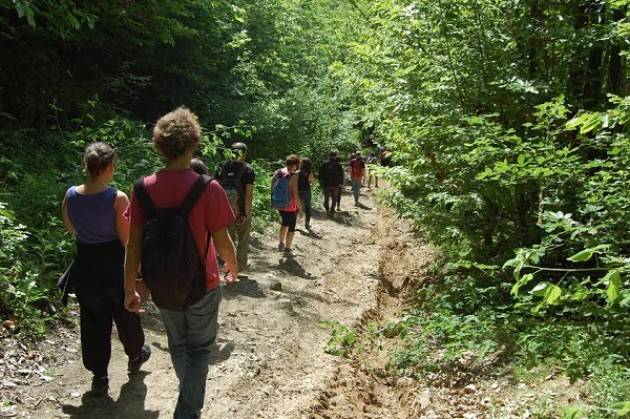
[587, 254]
[622, 408]
[520, 283]
[540, 289]
[614, 284]
[572, 413]
[552, 294]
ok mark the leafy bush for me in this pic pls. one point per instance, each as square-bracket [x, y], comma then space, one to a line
[23, 298]
[342, 339]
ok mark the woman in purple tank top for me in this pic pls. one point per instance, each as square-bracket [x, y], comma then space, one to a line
[94, 213]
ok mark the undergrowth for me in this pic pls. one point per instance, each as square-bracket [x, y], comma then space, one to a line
[458, 324]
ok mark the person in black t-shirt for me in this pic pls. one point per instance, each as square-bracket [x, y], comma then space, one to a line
[331, 179]
[237, 179]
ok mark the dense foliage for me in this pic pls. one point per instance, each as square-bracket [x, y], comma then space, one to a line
[509, 123]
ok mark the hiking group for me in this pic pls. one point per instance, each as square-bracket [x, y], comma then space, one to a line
[164, 243]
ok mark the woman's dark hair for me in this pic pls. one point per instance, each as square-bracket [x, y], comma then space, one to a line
[306, 165]
[97, 157]
[199, 166]
[293, 159]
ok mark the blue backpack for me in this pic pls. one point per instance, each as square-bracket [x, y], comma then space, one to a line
[280, 193]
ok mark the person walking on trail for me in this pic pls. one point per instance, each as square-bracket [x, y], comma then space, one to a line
[94, 213]
[372, 162]
[199, 167]
[237, 179]
[284, 197]
[305, 183]
[331, 180]
[357, 172]
[174, 214]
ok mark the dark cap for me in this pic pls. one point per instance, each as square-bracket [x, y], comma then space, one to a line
[239, 147]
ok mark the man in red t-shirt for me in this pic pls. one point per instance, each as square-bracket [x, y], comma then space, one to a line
[357, 172]
[192, 331]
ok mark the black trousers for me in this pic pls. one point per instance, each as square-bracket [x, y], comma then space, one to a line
[306, 197]
[99, 306]
[97, 276]
[332, 197]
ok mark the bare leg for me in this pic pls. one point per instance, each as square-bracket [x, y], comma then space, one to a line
[283, 234]
[289, 240]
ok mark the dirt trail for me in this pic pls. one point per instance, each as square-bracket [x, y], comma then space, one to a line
[269, 360]
[361, 387]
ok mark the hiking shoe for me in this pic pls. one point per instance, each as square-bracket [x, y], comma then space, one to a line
[134, 364]
[100, 386]
[280, 247]
[288, 253]
[308, 226]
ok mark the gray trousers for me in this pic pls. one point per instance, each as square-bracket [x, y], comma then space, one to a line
[191, 334]
[241, 237]
[356, 190]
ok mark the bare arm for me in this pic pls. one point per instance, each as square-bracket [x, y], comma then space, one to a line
[311, 178]
[225, 248]
[132, 263]
[294, 190]
[122, 222]
[66, 217]
[249, 198]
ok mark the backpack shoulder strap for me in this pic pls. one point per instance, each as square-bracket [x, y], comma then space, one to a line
[141, 194]
[195, 193]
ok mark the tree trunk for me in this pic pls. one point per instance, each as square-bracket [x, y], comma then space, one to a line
[615, 67]
[592, 93]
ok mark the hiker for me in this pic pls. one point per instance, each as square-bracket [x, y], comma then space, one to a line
[199, 167]
[372, 161]
[386, 157]
[237, 179]
[284, 197]
[181, 271]
[305, 184]
[357, 172]
[94, 213]
[331, 180]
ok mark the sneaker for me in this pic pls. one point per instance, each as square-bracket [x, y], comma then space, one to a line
[100, 386]
[280, 247]
[246, 268]
[308, 226]
[288, 252]
[134, 365]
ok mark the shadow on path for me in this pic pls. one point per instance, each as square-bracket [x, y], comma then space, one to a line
[310, 233]
[130, 404]
[293, 267]
[245, 286]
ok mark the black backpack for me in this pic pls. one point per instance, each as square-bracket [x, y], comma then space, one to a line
[172, 265]
[231, 180]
